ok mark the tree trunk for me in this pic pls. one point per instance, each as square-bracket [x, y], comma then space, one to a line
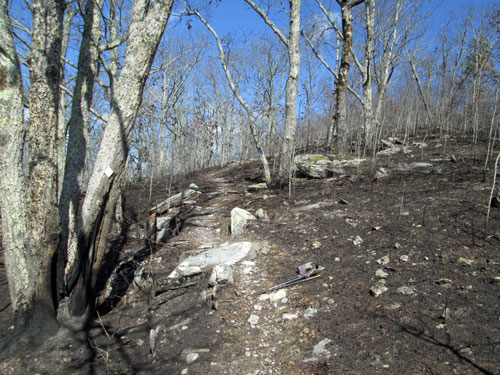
[340, 115]
[288, 145]
[78, 133]
[147, 23]
[248, 109]
[31, 246]
[12, 179]
[370, 129]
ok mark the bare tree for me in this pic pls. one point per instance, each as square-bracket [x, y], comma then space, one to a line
[293, 46]
[31, 246]
[244, 104]
[340, 115]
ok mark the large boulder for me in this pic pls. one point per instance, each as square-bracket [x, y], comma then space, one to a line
[322, 166]
[239, 218]
[313, 165]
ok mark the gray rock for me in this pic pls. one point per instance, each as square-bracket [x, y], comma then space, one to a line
[310, 312]
[256, 187]
[261, 213]
[239, 218]
[277, 295]
[227, 253]
[381, 173]
[322, 166]
[389, 151]
[406, 290]
[186, 270]
[320, 348]
[153, 334]
[320, 351]
[384, 260]
[377, 290]
[253, 319]
[409, 167]
[313, 165]
[380, 273]
[466, 261]
[221, 274]
[163, 221]
[191, 357]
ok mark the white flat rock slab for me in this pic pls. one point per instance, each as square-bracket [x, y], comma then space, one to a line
[227, 253]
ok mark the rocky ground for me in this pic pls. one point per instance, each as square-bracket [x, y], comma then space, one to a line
[411, 282]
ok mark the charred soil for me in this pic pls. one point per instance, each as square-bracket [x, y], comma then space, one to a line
[411, 282]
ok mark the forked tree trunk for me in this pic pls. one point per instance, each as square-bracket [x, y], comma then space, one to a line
[78, 132]
[147, 23]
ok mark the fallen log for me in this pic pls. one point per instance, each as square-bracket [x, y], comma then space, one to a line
[174, 201]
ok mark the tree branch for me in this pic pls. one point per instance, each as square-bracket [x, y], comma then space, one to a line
[268, 21]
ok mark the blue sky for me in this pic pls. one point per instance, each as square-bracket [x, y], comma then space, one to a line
[236, 15]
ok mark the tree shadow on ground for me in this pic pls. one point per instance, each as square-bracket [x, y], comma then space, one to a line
[423, 334]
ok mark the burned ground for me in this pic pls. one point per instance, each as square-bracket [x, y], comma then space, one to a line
[421, 230]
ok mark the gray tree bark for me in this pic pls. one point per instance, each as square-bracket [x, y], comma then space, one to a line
[293, 45]
[340, 115]
[31, 245]
[78, 132]
[147, 23]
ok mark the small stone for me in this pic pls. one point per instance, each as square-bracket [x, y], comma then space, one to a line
[184, 372]
[257, 307]
[289, 316]
[316, 244]
[466, 351]
[357, 241]
[191, 357]
[331, 301]
[381, 173]
[310, 312]
[337, 259]
[261, 214]
[384, 260]
[393, 306]
[263, 297]
[444, 282]
[221, 274]
[397, 245]
[466, 261]
[319, 348]
[377, 290]
[404, 258]
[253, 319]
[381, 274]
[277, 295]
[406, 290]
